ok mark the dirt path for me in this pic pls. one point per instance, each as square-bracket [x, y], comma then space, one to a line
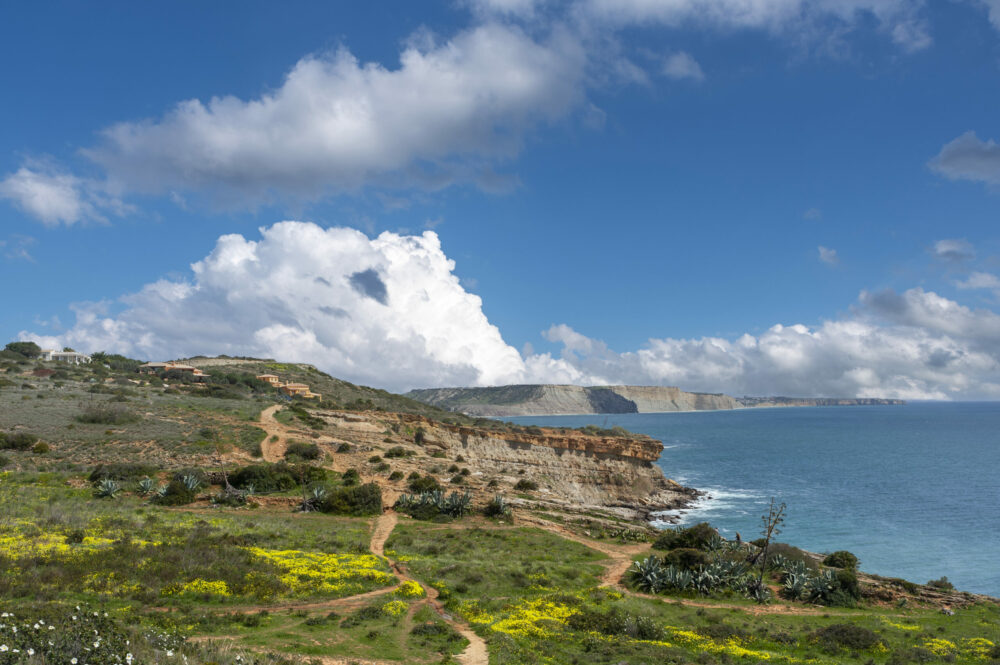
[474, 654]
[273, 450]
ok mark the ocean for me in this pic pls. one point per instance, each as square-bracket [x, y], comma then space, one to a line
[913, 491]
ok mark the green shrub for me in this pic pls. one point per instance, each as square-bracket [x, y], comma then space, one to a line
[40, 448]
[351, 477]
[697, 536]
[841, 559]
[418, 436]
[397, 451]
[176, 493]
[353, 500]
[4, 461]
[303, 450]
[17, 441]
[276, 477]
[422, 484]
[525, 485]
[845, 636]
[24, 349]
[344, 448]
[687, 558]
[106, 413]
[457, 479]
[396, 475]
[942, 584]
[120, 471]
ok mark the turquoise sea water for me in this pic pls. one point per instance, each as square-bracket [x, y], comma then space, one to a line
[913, 491]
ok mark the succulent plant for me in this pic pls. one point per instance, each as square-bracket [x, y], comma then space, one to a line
[146, 486]
[107, 489]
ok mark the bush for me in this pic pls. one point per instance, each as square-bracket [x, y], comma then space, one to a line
[354, 500]
[40, 448]
[120, 471]
[24, 349]
[303, 450]
[687, 558]
[418, 436]
[276, 477]
[422, 484]
[697, 536]
[397, 451]
[841, 559]
[106, 413]
[344, 448]
[175, 494]
[525, 485]
[4, 461]
[942, 584]
[396, 475]
[17, 441]
[845, 636]
[351, 477]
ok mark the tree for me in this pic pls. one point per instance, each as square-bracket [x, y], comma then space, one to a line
[26, 349]
[772, 521]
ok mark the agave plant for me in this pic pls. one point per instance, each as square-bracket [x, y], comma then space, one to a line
[778, 562]
[161, 491]
[819, 588]
[146, 486]
[190, 482]
[456, 505]
[648, 575]
[498, 507]
[677, 579]
[107, 489]
[313, 499]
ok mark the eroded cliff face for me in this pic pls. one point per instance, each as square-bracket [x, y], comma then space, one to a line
[536, 400]
[574, 471]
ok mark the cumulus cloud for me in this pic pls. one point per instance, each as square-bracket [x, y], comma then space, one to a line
[446, 113]
[954, 249]
[389, 311]
[969, 158]
[828, 256]
[902, 20]
[980, 280]
[682, 65]
[55, 198]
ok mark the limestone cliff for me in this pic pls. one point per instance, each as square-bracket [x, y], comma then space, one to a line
[532, 400]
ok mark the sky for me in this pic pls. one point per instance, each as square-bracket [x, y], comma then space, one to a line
[758, 197]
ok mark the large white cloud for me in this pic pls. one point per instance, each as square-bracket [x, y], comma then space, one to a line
[336, 124]
[390, 312]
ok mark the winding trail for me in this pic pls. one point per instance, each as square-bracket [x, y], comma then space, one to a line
[273, 449]
[476, 652]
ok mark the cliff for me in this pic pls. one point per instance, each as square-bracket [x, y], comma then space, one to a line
[575, 471]
[538, 400]
[550, 400]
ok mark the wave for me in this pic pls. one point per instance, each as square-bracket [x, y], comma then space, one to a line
[730, 502]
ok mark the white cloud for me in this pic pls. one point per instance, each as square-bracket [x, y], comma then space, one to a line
[446, 113]
[518, 8]
[902, 20]
[391, 312]
[682, 65]
[969, 158]
[828, 256]
[51, 197]
[954, 249]
[18, 247]
[980, 280]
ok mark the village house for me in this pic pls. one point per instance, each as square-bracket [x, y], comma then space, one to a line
[290, 389]
[64, 356]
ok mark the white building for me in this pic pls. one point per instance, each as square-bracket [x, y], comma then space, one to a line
[65, 356]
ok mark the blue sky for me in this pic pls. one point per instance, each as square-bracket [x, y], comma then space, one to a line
[755, 196]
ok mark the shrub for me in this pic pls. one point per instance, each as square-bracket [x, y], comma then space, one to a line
[841, 559]
[4, 461]
[24, 349]
[120, 471]
[697, 536]
[351, 477]
[498, 507]
[344, 448]
[457, 479]
[525, 485]
[398, 451]
[353, 500]
[106, 413]
[176, 493]
[418, 436]
[396, 475]
[845, 636]
[302, 450]
[422, 484]
[276, 477]
[687, 558]
[453, 468]
[40, 448]
[17, 441]
[942, 584]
